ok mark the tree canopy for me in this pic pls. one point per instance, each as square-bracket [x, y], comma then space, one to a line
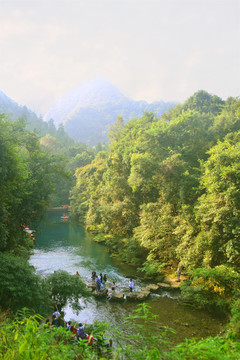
[154, 188]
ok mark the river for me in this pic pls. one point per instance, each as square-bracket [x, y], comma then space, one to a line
[63, 245]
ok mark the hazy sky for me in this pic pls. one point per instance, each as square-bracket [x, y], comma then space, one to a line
[149, 49]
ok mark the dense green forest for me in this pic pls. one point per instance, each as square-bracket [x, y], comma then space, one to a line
[164, 193]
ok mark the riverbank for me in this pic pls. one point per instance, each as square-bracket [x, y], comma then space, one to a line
[64, 208]
[67, 246]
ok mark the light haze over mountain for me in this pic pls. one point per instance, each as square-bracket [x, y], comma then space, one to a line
[88, 110]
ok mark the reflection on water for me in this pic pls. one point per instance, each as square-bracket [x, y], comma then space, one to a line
[63, 245]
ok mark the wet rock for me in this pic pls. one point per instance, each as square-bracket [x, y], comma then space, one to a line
[164, 286]
[141, 295]
[117, 297]
[100, 294]
[153, 287]
[91, 287]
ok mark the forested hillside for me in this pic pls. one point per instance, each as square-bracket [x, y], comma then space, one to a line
[87, 111]
[52, 140]
[166, 194]
[13, 111]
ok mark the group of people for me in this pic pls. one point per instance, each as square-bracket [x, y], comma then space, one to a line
[77, 330]
[99, 280]
[100, 283]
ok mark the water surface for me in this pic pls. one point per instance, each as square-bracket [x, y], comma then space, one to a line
[66, 246]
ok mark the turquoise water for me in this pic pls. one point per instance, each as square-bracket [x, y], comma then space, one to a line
[66, 246]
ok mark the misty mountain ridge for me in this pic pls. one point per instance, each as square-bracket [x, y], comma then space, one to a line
[88, 110]
[14, 111]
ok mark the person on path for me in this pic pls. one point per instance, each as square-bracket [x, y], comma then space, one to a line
[105, 278]
[131, 284]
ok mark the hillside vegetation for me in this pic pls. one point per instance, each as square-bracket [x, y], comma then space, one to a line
[166, 193]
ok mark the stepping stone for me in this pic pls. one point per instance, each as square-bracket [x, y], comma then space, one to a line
[100, 294]
[153, 287]
[164, 286]
[117, 297]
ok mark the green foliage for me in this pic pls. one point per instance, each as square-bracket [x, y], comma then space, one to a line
[234, 324]
[212, 288]
[21, 287]
[218, 210]
[25, 339]
[171, 184]
[205, 103]
[217, 348]
[155, 233]
[66, 288]
[26, 182]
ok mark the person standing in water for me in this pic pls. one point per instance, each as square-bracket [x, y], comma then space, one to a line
[93, 276]
[131, 284]
[105, 278]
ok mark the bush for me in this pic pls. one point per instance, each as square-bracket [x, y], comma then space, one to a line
[66, 288]
[234, 325]
[21, 287]
[212, 288]
[217, 348]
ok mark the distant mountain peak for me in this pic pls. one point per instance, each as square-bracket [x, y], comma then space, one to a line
[88, 110]
[89, 93]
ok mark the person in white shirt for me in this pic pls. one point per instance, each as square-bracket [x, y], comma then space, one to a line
[131, 284]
